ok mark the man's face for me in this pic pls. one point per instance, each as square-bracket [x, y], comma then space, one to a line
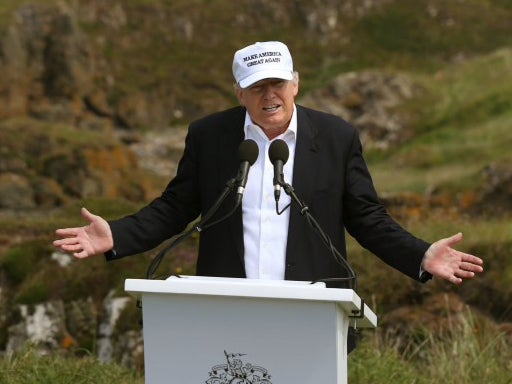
[269, 102]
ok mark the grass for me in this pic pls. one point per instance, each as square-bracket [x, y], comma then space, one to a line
[467, 353]
[30, 367]
[40, 224]
[431, 30]
[32, 278]
[33, 141]
[460, 128]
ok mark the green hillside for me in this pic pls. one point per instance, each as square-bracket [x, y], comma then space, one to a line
[461, 124]
[149, 66]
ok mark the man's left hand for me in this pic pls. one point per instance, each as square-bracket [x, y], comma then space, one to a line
[441, 260]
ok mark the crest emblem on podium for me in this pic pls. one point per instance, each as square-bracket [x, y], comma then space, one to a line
[236, 372]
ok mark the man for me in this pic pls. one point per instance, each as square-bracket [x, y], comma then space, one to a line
[326, 168]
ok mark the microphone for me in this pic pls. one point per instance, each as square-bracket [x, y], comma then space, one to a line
[278, 154]
[247, 154]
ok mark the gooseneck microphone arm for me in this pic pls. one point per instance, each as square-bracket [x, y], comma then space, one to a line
[278, 154]
[155, 263]
[247, 153]
[304, 211]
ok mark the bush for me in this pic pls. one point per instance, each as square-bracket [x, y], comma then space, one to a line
[21, 261]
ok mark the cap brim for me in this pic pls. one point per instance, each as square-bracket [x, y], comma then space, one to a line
[268, 74]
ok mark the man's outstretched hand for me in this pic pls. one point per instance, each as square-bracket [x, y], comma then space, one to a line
[92, 239]
[442, 260]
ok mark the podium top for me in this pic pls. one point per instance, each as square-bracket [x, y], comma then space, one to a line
[253, 288]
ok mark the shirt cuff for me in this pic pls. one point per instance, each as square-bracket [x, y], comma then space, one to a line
[424, 275]
[111, 255]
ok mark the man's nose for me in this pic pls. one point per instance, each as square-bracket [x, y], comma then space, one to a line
[268, 92]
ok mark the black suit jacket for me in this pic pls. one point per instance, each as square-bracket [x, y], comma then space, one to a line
[330, 177]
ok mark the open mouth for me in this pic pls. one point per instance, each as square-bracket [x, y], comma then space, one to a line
[271, 109]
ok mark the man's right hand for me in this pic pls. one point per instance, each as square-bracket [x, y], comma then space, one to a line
[93, 239]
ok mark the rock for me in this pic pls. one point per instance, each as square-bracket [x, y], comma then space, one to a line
[16, 192]
[441, 316]
[368, 100]
[46, 66]
[76, 325]
[48, 193]
[42, 325]
[130, 350]
[496, 192]
[112, 307]
[160, 152]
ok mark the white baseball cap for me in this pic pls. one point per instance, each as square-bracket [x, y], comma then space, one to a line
[262, 60]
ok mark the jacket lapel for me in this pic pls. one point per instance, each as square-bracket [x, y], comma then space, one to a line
[304, 178]
[304, 169]
[233, 136]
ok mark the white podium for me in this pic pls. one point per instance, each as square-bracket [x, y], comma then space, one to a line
[241, 331]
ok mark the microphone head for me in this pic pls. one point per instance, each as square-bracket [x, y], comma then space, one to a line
[248, 151]
[278, 150]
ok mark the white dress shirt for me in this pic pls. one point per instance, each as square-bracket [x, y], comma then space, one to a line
[266, 232]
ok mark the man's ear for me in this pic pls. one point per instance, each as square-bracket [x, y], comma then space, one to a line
[239, 94]
[296, 84]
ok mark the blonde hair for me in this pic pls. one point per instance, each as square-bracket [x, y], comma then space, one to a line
[295, 79]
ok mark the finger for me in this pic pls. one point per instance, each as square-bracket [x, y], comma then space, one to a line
[455, 280]
[464, 274]
[454, 239]
[452, 277]
[81, 255]
[67, 232]
[57, 243]
[87, 215]
[471, 267]
[71, 247]
[65, 241]
[466, 257]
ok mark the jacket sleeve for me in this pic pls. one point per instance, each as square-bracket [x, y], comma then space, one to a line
[166, 215]
[367, 220]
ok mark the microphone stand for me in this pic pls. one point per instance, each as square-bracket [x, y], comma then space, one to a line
[304, 211]
[230, 185]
